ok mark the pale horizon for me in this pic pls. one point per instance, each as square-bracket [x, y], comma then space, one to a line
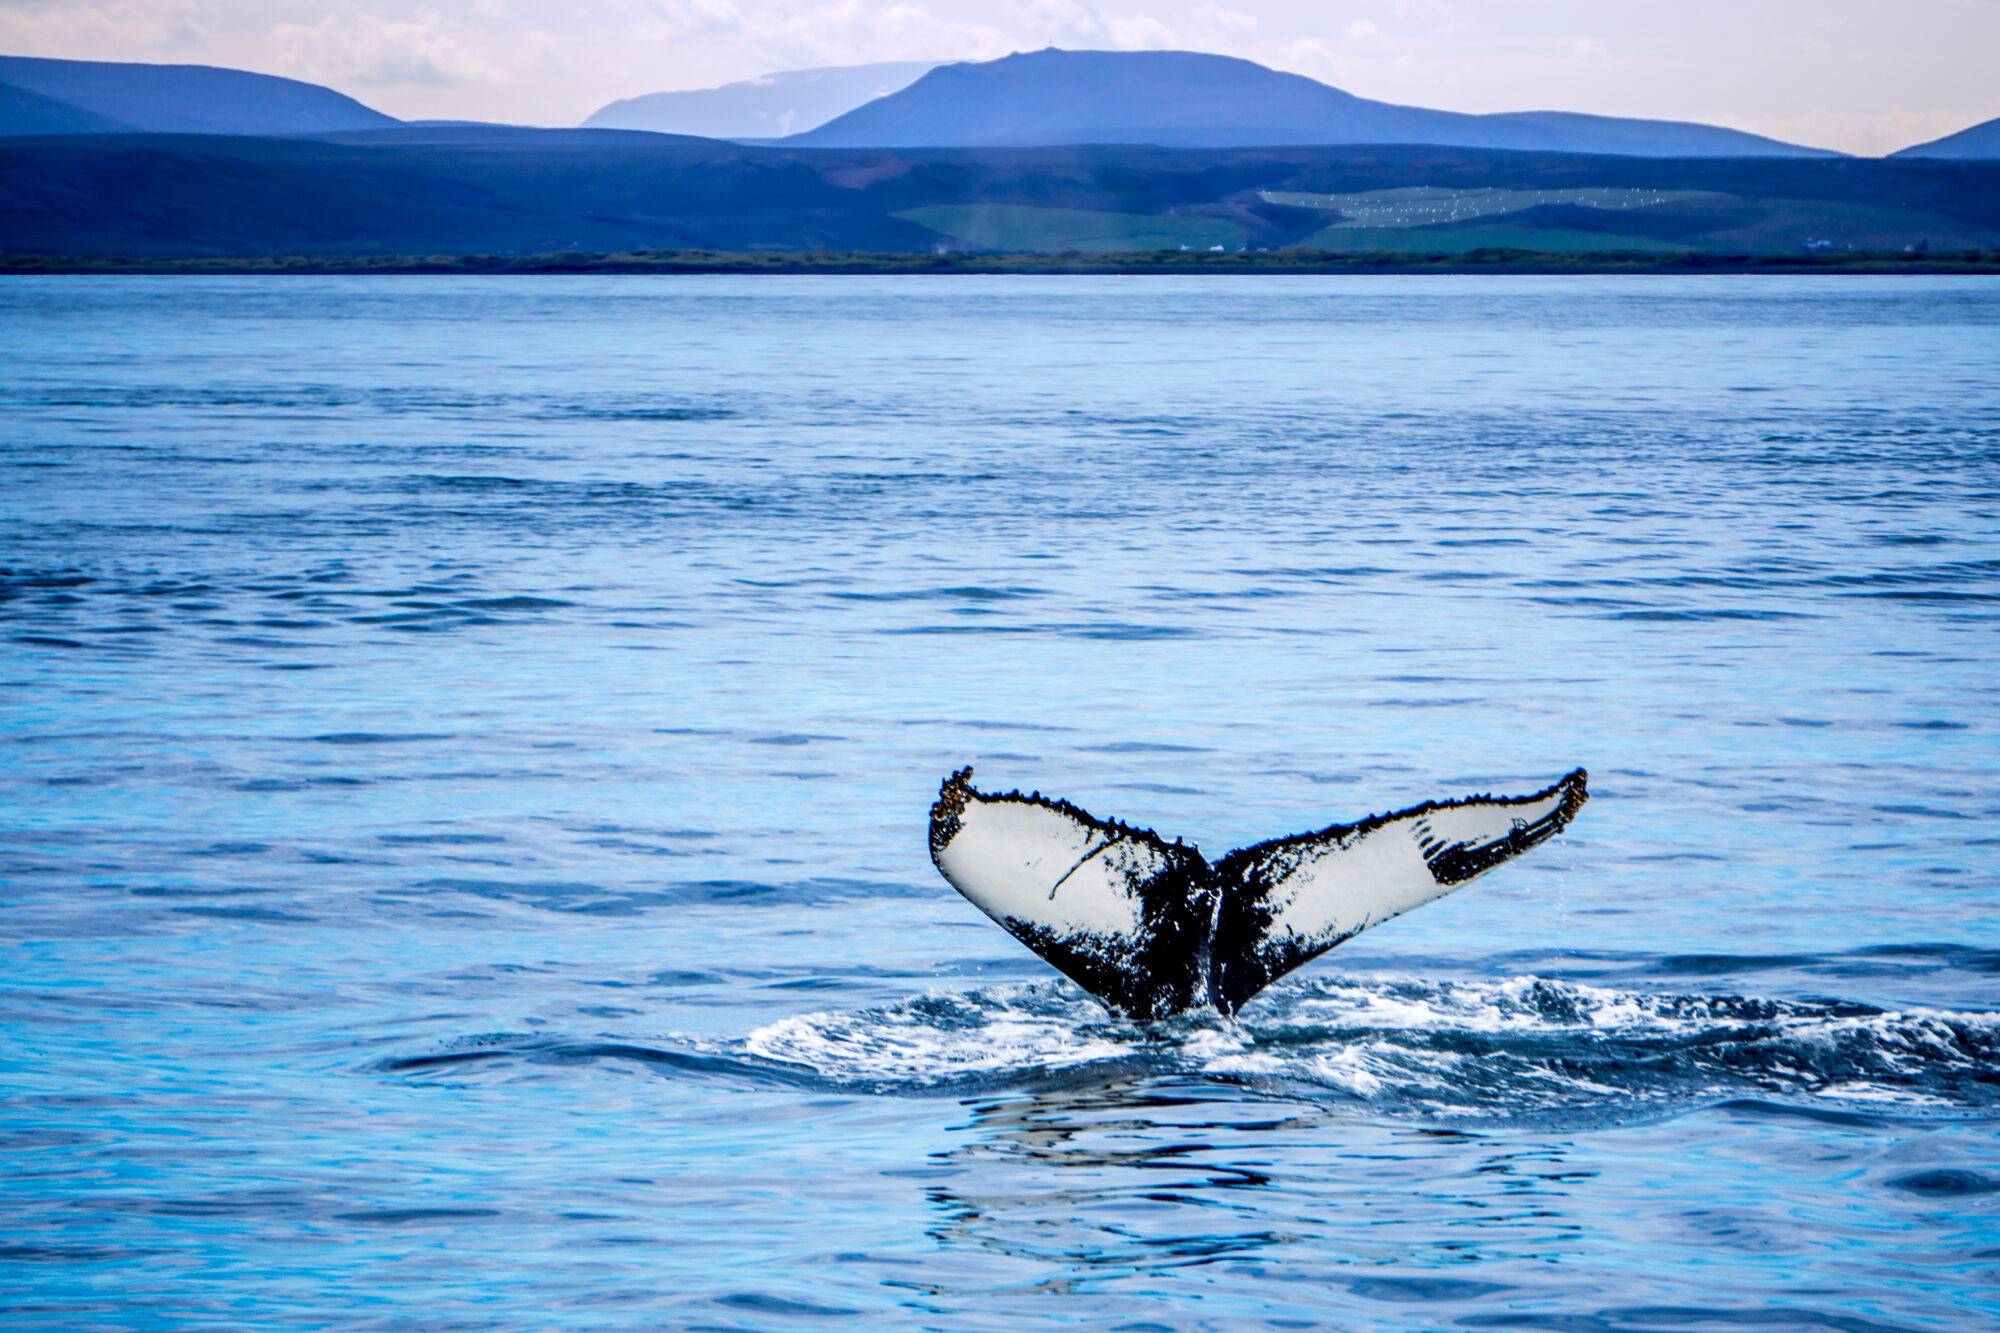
[1831, 75]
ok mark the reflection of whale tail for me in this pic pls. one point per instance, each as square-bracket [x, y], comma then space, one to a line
[1151, 928]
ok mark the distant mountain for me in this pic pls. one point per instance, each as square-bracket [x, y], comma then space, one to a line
[1187, 99]
[1980, 141]
[23, 112]
[764, 108]
[183, 99]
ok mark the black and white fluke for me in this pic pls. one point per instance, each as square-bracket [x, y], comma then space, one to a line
[1152, 929]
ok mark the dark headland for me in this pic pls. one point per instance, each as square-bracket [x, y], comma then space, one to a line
[185, 168]
[420, 192]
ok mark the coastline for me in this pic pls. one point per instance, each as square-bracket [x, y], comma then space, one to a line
[1291, 262]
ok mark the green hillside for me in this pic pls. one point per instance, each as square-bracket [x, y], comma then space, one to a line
[1022, 227]
[1430, 221]
[1424, 205]
[1459, 240]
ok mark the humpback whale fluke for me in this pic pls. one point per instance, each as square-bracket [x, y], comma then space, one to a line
[1151, 928]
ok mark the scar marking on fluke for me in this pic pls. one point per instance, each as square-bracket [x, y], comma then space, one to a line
[1101, 847]
[1152, 928]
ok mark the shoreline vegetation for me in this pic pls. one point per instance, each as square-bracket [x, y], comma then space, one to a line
[1296, 261]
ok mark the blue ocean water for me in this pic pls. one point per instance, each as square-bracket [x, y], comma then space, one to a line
[469, 744]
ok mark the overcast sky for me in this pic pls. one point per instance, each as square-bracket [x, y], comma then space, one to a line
[1862, 75]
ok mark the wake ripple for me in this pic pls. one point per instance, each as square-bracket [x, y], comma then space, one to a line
[1524, 1047]
[1530, 1045]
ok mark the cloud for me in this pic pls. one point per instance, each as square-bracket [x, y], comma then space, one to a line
[123, 28]
[1141, 32]
[1433, 16]
[795, 34]
[362, 49]
[684, 20]
[1228, 20]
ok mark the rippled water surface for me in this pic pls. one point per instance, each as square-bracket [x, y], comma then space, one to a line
[468, 746]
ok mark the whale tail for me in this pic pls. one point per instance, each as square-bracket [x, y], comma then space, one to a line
[1151, 928]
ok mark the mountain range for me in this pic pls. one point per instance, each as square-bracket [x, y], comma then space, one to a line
[1052, 97]
[1189, 99]
[1182, 152]
[1980, 141]
[100, 97]
[769, 107]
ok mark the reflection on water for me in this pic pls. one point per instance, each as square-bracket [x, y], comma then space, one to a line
[1116, 1172]
[1315, 1214]
[1172, 1187]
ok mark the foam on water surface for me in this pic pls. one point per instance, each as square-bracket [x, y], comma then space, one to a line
[1519, 1050]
